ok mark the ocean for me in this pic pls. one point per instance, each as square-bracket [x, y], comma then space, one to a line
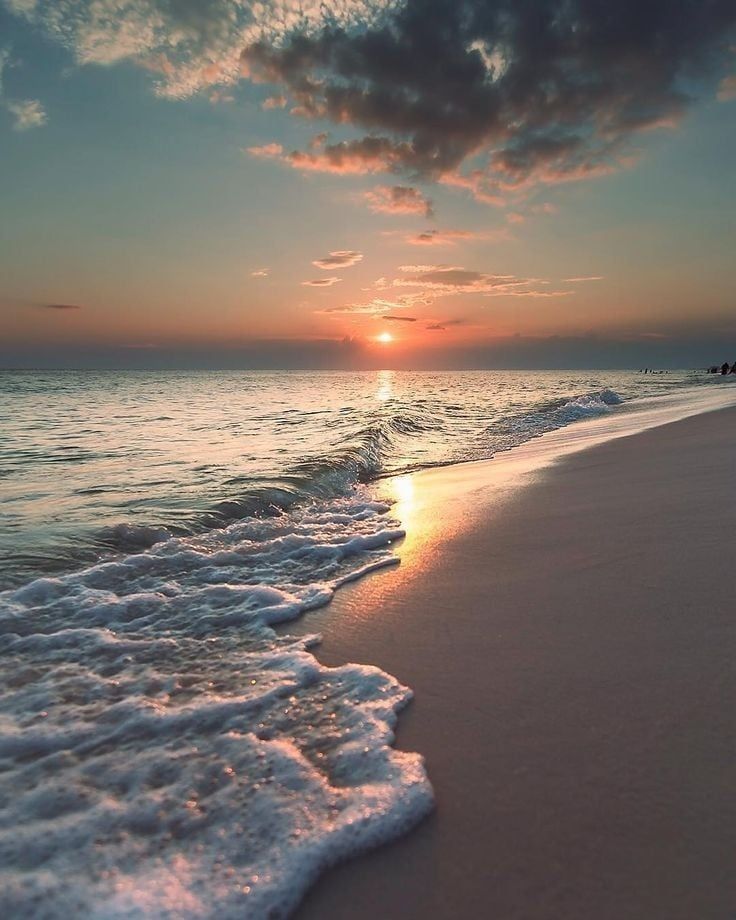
[163, 750]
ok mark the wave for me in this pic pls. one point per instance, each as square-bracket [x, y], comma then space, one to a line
[165, 752]
[369, 453]
[514, 430]
[358, 459]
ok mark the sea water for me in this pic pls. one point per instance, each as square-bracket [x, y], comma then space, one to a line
[164, 751]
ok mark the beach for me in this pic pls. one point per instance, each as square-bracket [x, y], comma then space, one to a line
[367, 453]
[542, 575]
[569, 631]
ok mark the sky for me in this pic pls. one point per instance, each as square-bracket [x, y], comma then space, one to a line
[367, 183]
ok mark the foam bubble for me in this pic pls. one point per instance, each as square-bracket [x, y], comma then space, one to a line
[165, 753]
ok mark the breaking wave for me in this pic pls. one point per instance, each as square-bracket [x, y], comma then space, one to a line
[165, 753]
[376, 450]
[516, 429]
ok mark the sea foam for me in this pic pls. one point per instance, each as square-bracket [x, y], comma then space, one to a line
[165, 753]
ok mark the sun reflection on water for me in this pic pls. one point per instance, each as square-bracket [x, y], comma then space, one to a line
[385, 381]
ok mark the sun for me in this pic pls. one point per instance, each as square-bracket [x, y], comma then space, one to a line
[385, 338]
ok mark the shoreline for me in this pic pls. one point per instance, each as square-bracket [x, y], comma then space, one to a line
[579, 743]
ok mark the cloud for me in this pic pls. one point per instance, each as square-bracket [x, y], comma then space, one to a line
[517, 217]
[727, 88]
[536, 91]
[531, 293]
[378, 306]
[4, 58]
[218, 96]
[451, 237]
[357, 157]
[400, 319]
[322, 282]
[490, 96]
[260, 273]
[580, 278]
[429, 283]
[189, 45]
[442, 326]
[266, 151]
[450, 280]
[59, 306]
[419, 268]
[28, 113]
[341, 258]
[274, 102]
[398, 199]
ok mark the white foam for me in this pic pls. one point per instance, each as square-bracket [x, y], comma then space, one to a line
[165, 754]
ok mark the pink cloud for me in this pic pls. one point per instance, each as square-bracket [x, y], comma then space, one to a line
[266, 151]
[274, 102]
[398, 199]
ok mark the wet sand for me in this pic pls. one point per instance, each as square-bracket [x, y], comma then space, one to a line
[572, 649]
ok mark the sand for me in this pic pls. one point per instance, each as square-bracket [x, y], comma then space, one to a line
[572, 648]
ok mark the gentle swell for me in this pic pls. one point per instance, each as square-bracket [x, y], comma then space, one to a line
[372, 451]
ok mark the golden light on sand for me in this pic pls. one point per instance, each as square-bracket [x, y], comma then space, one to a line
[385, 338]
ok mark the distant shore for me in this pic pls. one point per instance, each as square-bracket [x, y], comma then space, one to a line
[572, 649]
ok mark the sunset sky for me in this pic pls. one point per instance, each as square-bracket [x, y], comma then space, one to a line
[418, 183]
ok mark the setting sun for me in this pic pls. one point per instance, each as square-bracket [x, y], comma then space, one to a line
[385, 338]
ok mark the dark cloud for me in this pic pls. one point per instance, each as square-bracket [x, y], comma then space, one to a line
[529, 90]
[59, 306]
[482, 94]
[356, 157]
[441, 327]
[400, 319]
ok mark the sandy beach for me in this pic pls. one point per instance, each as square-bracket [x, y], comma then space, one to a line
[572, 648]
